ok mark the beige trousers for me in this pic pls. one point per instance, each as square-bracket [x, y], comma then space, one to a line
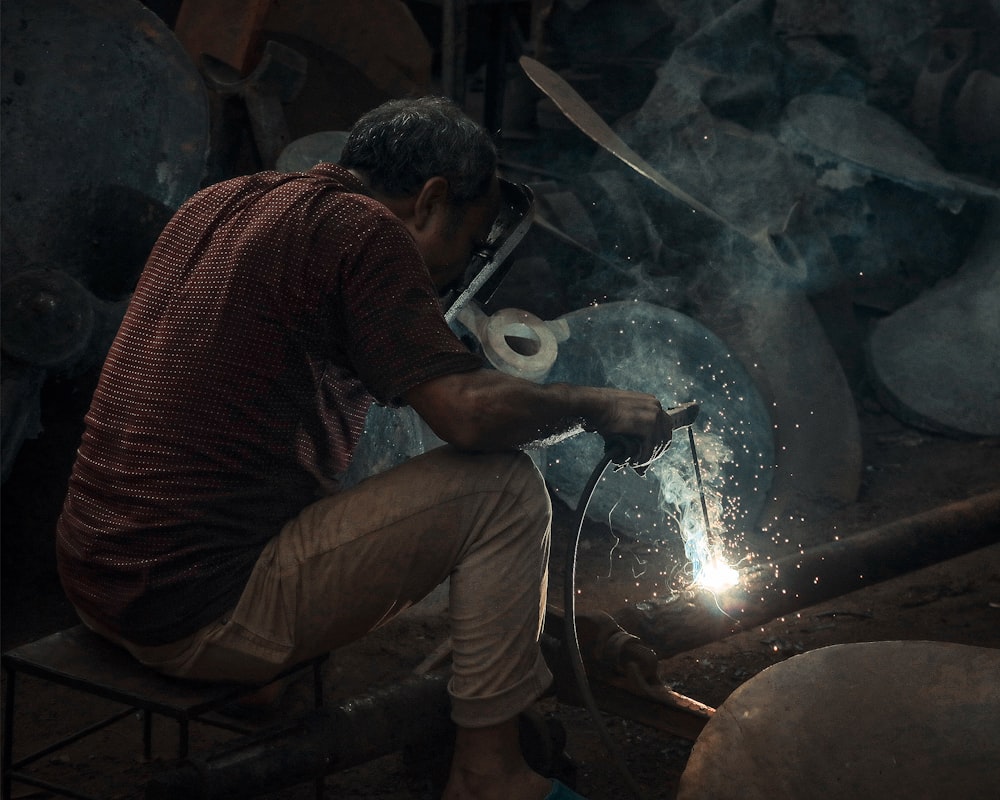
[352, 561]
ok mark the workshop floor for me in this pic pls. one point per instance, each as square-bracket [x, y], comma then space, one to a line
[906, 472]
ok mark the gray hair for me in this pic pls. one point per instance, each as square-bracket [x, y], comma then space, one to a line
[401, 144]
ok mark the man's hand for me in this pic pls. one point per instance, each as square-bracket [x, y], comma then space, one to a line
[635, 428]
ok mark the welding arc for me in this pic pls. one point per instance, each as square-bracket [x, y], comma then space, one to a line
[572, 639]
[697, 476]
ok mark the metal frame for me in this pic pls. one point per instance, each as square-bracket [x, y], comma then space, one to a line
[190, 702]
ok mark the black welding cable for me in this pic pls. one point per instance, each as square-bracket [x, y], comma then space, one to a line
[572, 640]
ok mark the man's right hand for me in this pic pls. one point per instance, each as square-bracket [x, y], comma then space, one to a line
[635, 427]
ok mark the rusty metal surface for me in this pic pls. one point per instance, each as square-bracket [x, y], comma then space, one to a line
[861, 721]
[275, 81]
[379, 37]
[229, 30]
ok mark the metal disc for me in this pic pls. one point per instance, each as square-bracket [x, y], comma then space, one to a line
[861, 721]
[105, 130]
[47, 317]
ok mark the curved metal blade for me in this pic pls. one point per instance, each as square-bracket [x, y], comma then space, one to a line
[580, 113]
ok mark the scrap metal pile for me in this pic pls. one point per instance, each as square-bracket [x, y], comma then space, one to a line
[784, 186]
[808, 127]
[112, 117]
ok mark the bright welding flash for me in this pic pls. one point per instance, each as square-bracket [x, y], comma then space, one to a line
[717, 576]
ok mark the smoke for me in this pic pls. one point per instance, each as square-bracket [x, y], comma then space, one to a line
[700, 515]
[639, 346]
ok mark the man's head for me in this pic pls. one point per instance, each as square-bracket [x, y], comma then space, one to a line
[436, 169]
[401, 144]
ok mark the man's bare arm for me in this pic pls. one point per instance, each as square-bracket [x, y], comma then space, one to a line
[489, 410]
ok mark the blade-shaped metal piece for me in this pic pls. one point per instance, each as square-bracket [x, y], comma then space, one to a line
[580, 113]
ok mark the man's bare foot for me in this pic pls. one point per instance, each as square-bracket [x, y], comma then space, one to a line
[525, 785]
[488, 765]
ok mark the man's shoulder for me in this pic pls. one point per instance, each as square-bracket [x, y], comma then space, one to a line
[328, 181]
[338, 175]
[324, 204]
[341, 187]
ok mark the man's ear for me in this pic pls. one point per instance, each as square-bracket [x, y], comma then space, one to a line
[432, 203]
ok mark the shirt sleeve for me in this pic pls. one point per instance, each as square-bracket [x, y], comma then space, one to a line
[391, 318]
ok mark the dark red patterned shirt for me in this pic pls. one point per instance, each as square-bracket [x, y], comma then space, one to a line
[271, 310]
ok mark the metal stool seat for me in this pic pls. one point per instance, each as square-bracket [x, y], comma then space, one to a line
[83, 661]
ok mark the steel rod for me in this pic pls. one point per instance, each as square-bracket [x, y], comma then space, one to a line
[411, 713]
[699, 617]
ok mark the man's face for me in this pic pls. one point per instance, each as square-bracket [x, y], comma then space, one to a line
[448, 250]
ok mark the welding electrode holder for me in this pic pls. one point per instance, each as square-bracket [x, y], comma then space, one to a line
[683, 415]
[619, 449]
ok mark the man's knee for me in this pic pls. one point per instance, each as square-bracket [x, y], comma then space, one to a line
[535, 489]
[526, 485]
[506, 483]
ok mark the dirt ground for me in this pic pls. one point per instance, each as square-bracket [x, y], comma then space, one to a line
[906, 471]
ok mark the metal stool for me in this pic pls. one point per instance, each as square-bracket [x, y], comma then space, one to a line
[82, 660]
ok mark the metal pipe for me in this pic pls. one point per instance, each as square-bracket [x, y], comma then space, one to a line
[696, 618]
[407, 714]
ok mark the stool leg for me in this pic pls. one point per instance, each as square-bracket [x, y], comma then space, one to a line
[8, 733]
[182, 739]
[318, 698]
[318, 683]
[147, 734]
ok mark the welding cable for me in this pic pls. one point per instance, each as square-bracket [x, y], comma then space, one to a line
[572, 639]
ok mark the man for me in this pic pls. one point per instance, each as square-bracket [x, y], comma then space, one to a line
[203, 529]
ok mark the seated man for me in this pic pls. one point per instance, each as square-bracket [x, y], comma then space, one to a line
[203, 528]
